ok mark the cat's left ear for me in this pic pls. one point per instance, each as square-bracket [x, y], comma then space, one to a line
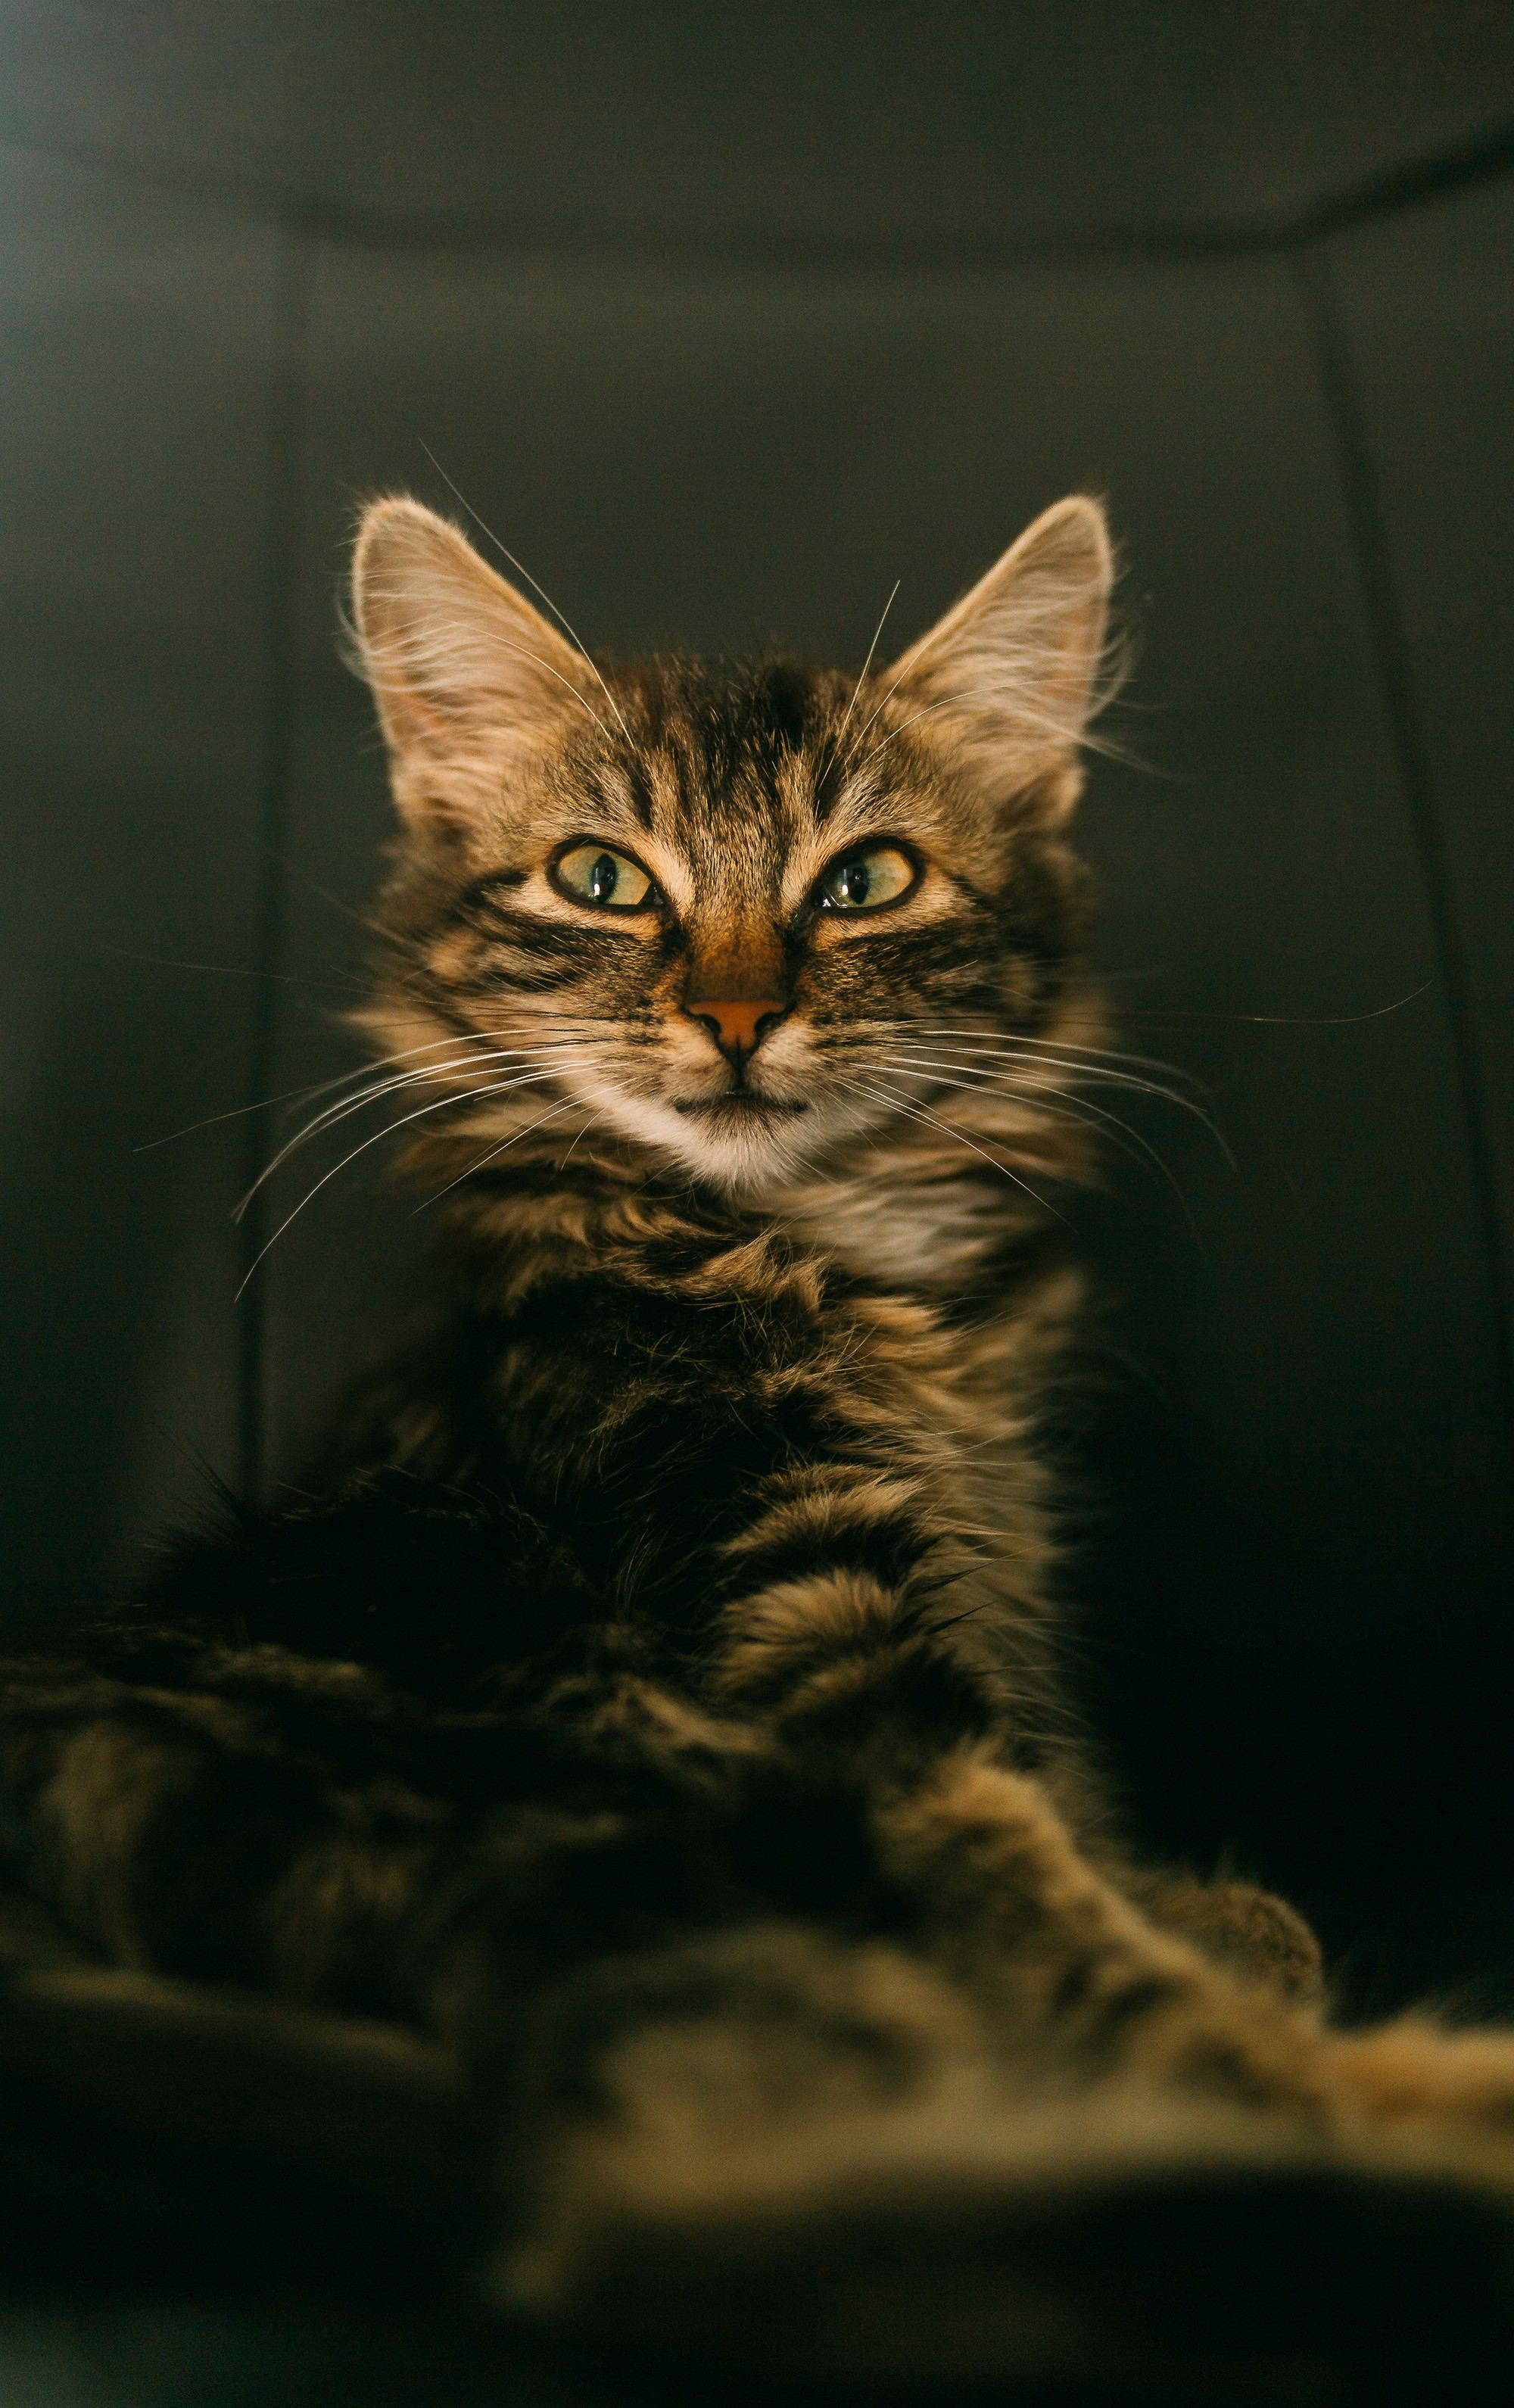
[1009, 679]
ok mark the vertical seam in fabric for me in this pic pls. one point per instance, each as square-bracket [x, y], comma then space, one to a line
[286, 409]
[1346, 412]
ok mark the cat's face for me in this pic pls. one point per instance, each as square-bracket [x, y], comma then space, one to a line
[735, 916]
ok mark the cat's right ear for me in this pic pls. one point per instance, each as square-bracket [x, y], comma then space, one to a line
[1010, 677]
[466, 674]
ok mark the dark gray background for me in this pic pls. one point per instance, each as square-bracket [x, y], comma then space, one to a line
[724, 319]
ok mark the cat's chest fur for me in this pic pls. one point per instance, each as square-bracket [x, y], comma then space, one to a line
[921, 1237]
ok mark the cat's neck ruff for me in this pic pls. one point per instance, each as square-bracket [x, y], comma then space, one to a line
[910, 1215]
[918, 1235]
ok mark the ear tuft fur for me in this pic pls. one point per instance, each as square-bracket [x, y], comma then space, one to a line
[465, 673]
[1012, 675]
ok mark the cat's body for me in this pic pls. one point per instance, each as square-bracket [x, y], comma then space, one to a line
[652, 1710]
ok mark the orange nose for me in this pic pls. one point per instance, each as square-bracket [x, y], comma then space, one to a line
[736, 1027]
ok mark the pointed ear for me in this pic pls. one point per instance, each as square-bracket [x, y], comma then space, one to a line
[465, 673]
[1009, 679]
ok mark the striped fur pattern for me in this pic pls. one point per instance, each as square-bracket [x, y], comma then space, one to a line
[652, 1708]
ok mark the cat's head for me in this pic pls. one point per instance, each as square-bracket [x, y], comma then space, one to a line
[745, 916]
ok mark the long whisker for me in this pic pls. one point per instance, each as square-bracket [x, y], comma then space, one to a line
[541, 1028]
[335, 1113]
[909, 660]
[561, 1028]
[1092, 1073]
[493, 1155]
[1129, 1141]
[1175, 1015]
[1084, 1061]
[1088, 1067]
[918, 1112]
[327, 1086]
[990, 1081]
[237, 1112]
[568, 1027]
[421, 1072]
[840, 733]
[439, 1104]
[1058, 1044]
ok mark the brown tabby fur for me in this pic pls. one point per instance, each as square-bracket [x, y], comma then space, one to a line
[653, 1713]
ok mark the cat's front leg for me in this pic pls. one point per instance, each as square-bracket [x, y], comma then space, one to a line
[1082, 1989]
[1082, 1984]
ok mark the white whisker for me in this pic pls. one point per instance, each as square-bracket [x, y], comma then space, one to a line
[1080, 1109]
[469, 1096]
[1060, 1044]
[909, 660]
[327, 1086]
[836, 748]
[918, 1112]
[1026, 1065]
[493, 1155]
[333, 1114]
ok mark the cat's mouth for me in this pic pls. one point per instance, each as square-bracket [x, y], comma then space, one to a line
[740, 1103]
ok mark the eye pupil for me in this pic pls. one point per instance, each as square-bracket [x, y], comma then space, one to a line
[863, 880]
[596, 874]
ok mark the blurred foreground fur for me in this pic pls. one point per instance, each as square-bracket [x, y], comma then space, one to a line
[613, 1849]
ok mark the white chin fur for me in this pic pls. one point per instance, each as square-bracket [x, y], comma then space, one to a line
[741, 1156]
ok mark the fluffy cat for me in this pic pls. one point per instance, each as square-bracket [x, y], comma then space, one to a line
[618, 1839]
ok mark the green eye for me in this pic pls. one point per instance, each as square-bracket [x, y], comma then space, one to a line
[863, 881]
[604, 879]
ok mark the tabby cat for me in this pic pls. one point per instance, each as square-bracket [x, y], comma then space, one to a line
[615, 1836]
